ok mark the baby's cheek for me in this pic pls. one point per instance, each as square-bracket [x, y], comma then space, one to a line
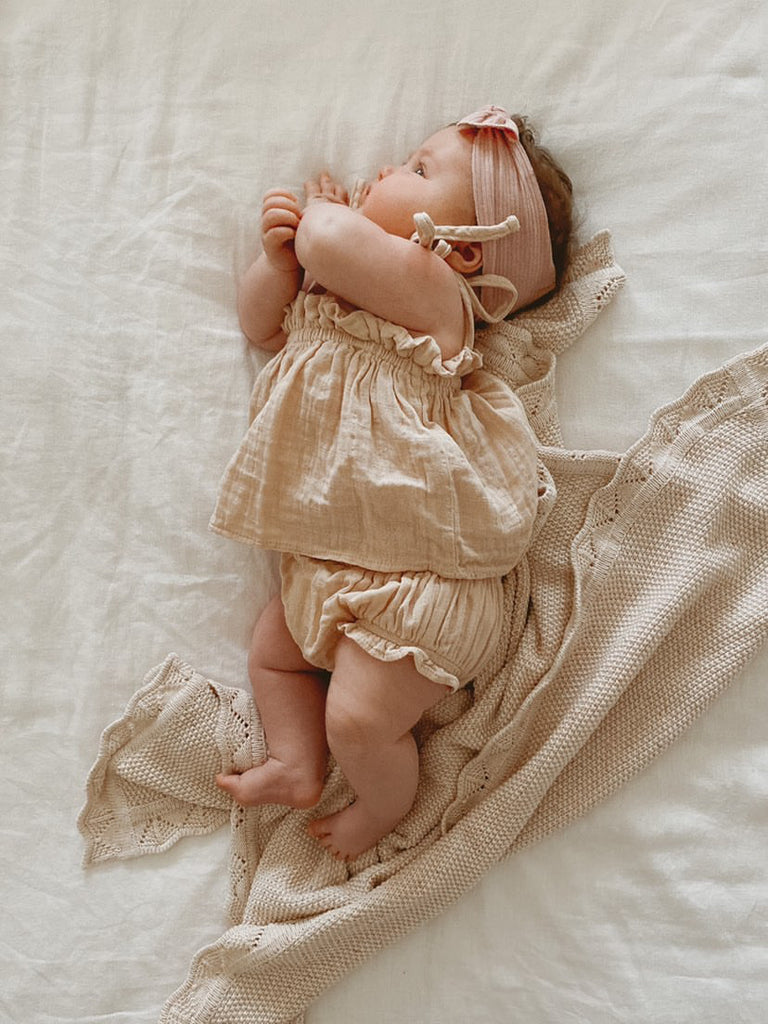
[390, 209]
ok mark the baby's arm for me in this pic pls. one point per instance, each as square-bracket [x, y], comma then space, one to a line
[275, 278]
[392, 277]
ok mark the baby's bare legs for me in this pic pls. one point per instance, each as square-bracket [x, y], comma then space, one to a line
[290, 696]
[372, 707]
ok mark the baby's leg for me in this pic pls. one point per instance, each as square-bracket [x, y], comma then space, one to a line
[372, 707]
[290, 696]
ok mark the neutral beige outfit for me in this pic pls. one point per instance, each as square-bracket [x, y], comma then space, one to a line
[366, 449]
[449, 627]
[643, 591]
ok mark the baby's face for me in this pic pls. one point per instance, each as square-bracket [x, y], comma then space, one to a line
[437, 179]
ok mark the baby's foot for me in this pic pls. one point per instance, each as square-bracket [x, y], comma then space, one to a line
[350, 832]
[273, 783]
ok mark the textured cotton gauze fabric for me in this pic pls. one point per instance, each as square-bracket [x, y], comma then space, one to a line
[642, 593]
[342, 459]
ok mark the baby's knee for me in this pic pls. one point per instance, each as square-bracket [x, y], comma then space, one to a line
[352, 723]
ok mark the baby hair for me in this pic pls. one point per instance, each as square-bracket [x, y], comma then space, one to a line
[557, 193]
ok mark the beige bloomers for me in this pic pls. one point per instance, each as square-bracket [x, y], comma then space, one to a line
[449, 627]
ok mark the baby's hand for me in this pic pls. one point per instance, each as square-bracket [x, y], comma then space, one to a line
[280, 216]
[326, 190]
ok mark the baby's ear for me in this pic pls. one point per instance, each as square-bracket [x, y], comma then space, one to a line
[466, 258]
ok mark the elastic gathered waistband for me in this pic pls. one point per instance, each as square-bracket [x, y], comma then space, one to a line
[378, 353]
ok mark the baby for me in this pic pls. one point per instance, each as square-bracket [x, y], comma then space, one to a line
[395, 476]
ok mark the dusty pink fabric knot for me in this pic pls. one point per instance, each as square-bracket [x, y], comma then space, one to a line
[491, 117]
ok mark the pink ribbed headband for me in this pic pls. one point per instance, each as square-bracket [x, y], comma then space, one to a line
[503, 183]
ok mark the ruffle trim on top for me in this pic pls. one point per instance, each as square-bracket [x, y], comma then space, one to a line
[327, 312]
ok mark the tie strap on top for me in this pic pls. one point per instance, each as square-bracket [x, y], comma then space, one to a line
[438, 238]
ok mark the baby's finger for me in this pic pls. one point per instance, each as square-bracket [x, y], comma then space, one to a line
[339, 193]
[278, 217]
[286, 202]
[318, 186]
[332, 188]
[289, 213]
[325, 188]
[279, 236]
[312, 188]
[280, 193]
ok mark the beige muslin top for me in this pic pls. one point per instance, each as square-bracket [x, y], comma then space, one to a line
[366, 447]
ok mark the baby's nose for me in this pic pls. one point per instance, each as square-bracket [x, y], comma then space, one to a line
[385, 172]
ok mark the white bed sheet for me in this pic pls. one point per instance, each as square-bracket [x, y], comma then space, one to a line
[136, 142]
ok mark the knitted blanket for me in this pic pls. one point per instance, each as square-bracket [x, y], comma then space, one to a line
[644, 591]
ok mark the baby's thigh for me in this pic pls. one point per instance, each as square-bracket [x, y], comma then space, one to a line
[377, 699]
[272, 645]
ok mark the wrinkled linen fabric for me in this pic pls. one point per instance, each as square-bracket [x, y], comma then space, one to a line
[642, 594]
[449, 627]
[366, 447]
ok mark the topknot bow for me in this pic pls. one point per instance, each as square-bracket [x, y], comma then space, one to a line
[491, 117]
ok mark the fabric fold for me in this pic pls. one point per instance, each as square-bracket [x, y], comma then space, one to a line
[153, 779]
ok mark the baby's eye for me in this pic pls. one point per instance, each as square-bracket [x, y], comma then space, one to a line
[419, 169]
